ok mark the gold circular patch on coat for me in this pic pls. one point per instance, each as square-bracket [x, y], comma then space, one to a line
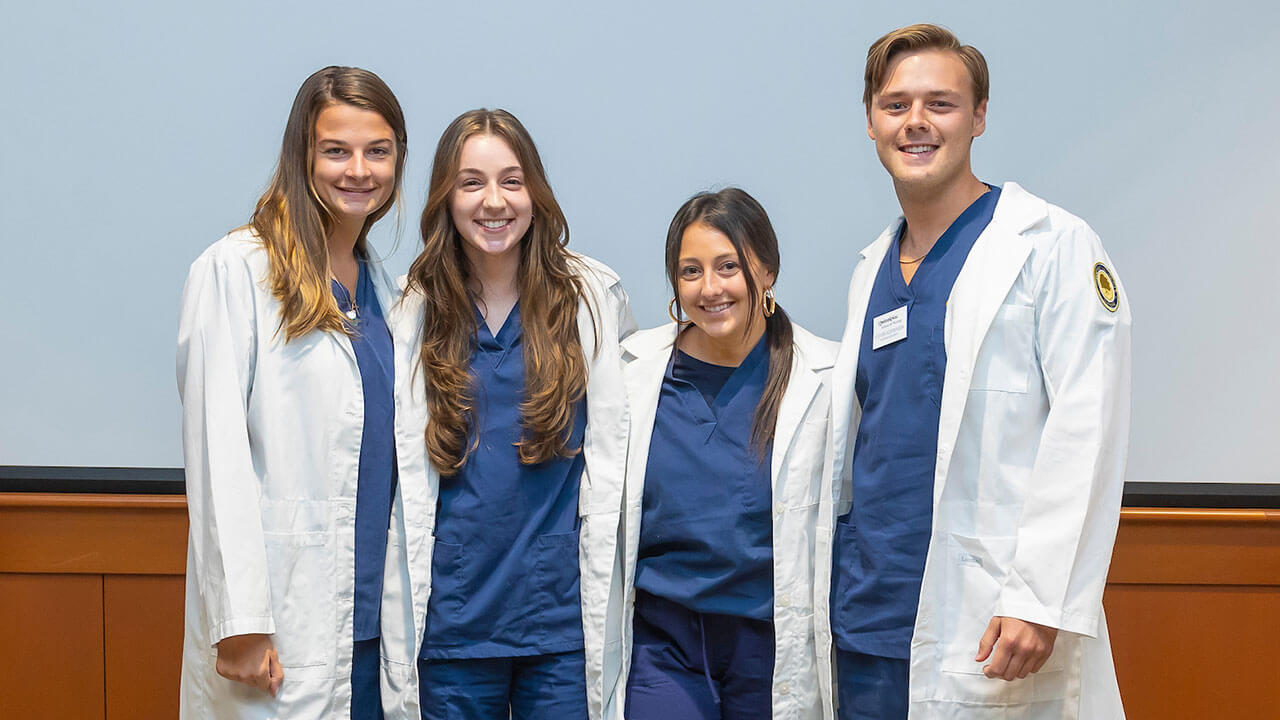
[1105, 283]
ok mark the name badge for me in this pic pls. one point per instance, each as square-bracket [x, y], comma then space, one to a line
[889, 328]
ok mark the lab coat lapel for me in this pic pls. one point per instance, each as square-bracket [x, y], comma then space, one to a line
[989, 272]
[802, 385]
[843, 398]
[643, 379]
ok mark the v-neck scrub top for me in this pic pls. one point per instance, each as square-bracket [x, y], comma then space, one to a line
[706, 534]
[880, 546]
[505, 574]
[376, 475]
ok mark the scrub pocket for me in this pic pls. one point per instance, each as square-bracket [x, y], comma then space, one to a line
[557, 575]
[447, 576]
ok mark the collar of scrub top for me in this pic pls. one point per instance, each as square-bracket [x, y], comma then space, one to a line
[731, 387]
[506, 337]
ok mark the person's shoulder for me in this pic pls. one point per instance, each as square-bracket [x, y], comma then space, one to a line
[643, 343]
[593, 270]
[239, 252]
[1039, 214]
[817, 352]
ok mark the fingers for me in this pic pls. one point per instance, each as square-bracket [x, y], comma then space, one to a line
[262, 678]
[988, 640]
[250, 659]
[275, 673]
[999, 664]
[1022, 648]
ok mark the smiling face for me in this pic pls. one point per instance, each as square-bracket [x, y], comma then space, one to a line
[713, 288]
[354, 168]
[923, 120]
[490, 205]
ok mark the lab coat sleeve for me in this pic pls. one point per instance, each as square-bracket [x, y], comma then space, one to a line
[216, 350]
[1068, 522]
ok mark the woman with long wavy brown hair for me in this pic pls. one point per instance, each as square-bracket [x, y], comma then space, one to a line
[285, 371]
[507, 354]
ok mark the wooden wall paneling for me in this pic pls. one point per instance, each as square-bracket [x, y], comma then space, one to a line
[143, 645]
[51, 658]
[98, 534]
[1193, 652]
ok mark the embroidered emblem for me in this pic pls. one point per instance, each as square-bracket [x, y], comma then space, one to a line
[1105, 283]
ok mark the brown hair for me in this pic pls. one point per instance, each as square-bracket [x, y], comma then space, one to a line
[291, 220]
[743, 220]
[550, 289]
[913, 38]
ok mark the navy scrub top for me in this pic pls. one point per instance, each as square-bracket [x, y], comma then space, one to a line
[880, 545]
[376, 476]
[706, 531]
[505, 576]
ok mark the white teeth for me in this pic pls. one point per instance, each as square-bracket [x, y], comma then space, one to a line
[716, 308]
[494, 224]
[919, 148]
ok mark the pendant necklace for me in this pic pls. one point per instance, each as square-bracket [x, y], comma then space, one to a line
[353, 312]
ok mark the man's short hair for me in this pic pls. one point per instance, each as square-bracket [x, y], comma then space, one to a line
[923, 36]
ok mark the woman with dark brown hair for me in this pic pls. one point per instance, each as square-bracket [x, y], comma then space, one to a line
[285, 371]
[510, 393]
[730, 410]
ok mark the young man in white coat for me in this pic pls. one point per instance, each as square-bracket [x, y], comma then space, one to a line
[983, 389]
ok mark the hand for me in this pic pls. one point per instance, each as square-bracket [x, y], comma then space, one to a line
[252, 660]
[1022, 649]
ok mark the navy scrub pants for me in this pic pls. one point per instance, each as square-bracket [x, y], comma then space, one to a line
[366, 696]
[871, 687]
[535, 687]
[687, 665]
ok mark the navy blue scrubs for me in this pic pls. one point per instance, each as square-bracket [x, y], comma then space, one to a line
[505, 575]
[703, 628]
[880, 546]
[375, 484]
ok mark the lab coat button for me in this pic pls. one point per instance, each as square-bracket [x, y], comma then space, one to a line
[784, 688]
[779, 508]
[784, 600]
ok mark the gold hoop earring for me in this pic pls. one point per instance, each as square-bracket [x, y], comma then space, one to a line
[671, 313]
[769, 302]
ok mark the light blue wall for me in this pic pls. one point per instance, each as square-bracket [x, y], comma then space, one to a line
[135, 136]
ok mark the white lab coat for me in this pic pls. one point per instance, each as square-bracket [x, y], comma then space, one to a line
[800, 438]
[271, 440]
[599, 506]
[1032, 439]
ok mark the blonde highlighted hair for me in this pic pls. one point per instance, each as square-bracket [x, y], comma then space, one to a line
[550, 290]
[913, 38]
[291, 220]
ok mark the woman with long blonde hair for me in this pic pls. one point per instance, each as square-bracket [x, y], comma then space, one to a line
[508, 365]
[285, 369]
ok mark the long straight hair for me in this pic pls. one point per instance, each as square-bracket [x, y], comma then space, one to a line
[291, 220]
[744, 221]
[554, 366]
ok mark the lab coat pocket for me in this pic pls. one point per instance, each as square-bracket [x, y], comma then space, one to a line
[804, 477]
[975, 574]
[1008, 351]
[302, 572]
